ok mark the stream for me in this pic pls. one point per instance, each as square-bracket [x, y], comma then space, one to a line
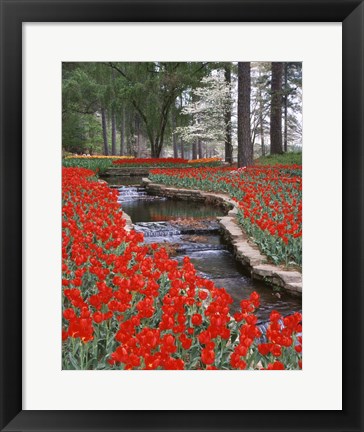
[191, 229]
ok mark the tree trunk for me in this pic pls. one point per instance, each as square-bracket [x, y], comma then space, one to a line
[182, 148]
[122, 133]
[113, 134]
[181, 140]
[285, 107]
[137, 131]
[174, 137]
[104, 131]
[153, 153]
[130, 135]
[261, 122]
[157, 143]
[228, 142]
[199, 143]
[245, 148]
[194, 150]
[157, 148]
[276, 109]
[262, 136]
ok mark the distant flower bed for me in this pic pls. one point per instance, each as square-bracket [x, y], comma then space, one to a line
[127, 305]
[168, 162]
[151, 161]
[269, 200]
[98, 157]
[101, 163]
[205, 160]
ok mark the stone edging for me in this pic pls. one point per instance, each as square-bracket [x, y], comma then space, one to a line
[126, 171]
[129, 224]
[245, 251]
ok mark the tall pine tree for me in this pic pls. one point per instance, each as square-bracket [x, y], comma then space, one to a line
[245, 147]
[276, 109]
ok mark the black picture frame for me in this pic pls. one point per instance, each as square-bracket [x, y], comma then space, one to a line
[13, 14]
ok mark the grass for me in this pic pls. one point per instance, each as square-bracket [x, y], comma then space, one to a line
[282, 159]
[97, 165]
[101, 165]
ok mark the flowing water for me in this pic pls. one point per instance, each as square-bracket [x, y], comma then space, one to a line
[190, 229]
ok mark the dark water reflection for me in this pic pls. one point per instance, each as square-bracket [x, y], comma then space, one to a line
[168, 209]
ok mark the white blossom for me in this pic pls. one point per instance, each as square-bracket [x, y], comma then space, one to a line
[207, 110]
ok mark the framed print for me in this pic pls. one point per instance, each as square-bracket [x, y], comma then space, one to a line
[43, 388]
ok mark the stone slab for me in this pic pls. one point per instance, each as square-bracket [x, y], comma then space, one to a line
[129, 224]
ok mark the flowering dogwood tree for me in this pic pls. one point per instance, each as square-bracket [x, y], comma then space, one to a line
[207, 110]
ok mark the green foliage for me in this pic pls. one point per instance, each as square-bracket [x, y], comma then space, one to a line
[97, 165]
[282, 159]
[73, 134]
[147, 100]
[152, 89]
[82, 95]
[81, 133]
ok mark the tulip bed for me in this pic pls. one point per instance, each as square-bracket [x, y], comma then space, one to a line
[111, 157]
[167, 162]
[269, 200]
[103, 163]
[127, 305]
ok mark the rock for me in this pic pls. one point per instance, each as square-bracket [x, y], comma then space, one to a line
[295, 287]
[289, 280]
[289, 277]
[129, 224]
[264, 270]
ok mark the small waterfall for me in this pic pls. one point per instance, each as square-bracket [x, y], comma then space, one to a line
[133, 193]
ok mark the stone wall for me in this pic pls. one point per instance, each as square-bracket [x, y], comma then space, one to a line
[131, 171]
[126, 171]
[245, 250]
[188, 194]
